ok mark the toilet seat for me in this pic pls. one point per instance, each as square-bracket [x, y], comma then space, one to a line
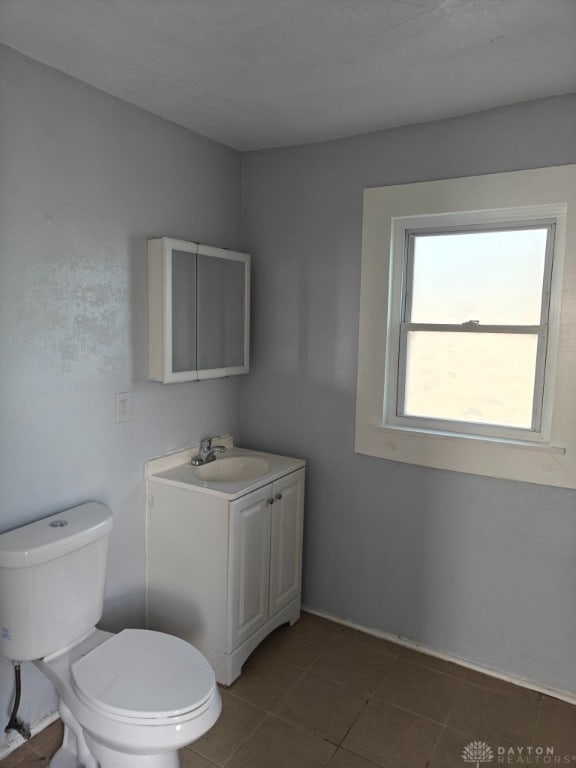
[144, 675]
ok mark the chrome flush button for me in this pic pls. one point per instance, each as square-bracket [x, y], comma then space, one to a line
[58, 523]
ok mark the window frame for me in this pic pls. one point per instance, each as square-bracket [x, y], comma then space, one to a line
[402, 258]
[547, 457]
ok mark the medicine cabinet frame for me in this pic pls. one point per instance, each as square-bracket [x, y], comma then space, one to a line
[160, 310]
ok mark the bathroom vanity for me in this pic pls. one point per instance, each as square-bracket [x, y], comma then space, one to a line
[224, 550]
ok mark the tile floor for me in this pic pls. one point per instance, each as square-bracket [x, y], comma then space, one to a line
[320, 694]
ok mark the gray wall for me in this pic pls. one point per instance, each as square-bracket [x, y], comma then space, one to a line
[84, 180]
[480, 568]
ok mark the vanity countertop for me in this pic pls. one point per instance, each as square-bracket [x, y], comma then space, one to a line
[176, 469]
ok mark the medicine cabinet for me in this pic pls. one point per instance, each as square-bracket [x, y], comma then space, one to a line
[199, 311]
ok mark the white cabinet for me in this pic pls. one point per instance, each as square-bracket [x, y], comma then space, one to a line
[199, 311]
[224, 573]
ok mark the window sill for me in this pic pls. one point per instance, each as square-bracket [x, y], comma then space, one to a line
[524, 445]
[508, 459]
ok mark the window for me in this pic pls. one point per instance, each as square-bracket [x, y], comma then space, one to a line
[464, 349]
[472, 330]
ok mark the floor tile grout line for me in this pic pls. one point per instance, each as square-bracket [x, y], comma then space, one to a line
[308, 732]
[239, 747]
[372, 648]
[287, 691]
[241, 744]
[267, 713]
[284, 693]
[305, 730]
[442, 723]
[189, 748]
[210, 762]
[430, 669]
[435, 747]
[516, 690]
[453, 704]
[297, 726]
[414, 714]
[309, 667]
[229, 692]
[354, 722]
[537, 720]
[350, 688]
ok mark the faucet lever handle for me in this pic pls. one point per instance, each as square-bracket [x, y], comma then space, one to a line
[206, 444]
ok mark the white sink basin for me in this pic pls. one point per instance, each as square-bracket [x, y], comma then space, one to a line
[229, 469]
[230, 476]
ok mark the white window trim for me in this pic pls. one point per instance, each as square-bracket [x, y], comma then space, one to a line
[548, 457]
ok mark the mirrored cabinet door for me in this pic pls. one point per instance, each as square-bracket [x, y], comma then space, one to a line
[211, 308]
[236, 319]
[183, 311]
[221, 314]
[199, 307]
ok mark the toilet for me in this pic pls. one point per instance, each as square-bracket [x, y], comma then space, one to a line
[127, 700]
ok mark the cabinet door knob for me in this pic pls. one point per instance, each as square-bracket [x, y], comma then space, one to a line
[278, 496]
[269, 501]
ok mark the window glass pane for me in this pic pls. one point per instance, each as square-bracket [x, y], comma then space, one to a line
[492, 277]
[484, 378]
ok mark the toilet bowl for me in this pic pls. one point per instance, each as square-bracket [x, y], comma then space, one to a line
[127, 700]
[130, 699]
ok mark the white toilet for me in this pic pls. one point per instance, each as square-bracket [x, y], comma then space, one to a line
[127, 700]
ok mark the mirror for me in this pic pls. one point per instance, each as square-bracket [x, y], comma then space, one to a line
[199, 311]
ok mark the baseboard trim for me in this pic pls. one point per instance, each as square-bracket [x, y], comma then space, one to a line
[566, 696]
[14, 740]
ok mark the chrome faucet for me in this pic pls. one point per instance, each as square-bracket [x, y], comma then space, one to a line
[207, 452]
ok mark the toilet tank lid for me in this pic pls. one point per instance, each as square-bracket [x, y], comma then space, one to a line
[54, 536]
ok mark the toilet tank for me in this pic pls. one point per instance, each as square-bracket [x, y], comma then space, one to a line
[52, 577]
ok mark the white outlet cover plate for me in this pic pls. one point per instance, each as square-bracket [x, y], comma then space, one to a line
[122, 406]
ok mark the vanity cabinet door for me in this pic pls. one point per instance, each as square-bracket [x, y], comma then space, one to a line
[286, 540]
[249, 566]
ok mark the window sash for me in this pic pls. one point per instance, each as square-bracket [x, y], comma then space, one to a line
[404, 326]
[457, 425]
